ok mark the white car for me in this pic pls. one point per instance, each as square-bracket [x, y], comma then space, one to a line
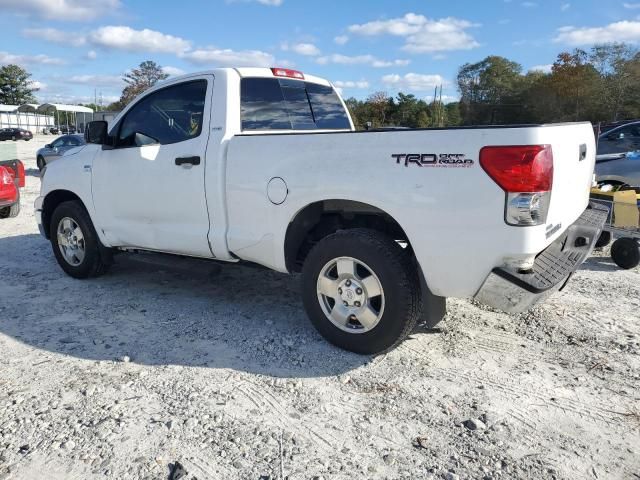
[263, 165]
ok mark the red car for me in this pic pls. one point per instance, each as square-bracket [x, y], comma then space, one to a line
[11, 180]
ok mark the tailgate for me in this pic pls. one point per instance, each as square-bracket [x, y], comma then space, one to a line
[574, 153]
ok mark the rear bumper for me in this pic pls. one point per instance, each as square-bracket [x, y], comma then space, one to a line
[514, 291]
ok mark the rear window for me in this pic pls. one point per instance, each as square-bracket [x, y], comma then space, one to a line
[285, 104]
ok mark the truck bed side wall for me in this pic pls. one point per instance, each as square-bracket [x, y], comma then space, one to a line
[453, 216]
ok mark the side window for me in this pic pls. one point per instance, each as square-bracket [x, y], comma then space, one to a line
[73, 142]
[620, 140]
[58, 143]
[171, 115]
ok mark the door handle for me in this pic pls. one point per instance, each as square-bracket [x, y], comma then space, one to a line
[188, 160]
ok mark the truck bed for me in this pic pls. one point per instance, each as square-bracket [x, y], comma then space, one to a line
[455, 210]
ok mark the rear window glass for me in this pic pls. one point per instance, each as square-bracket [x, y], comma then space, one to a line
[285, 104]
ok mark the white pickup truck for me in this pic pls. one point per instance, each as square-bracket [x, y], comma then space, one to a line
[263, 165]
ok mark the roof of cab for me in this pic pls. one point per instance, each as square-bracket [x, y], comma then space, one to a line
[245, 72]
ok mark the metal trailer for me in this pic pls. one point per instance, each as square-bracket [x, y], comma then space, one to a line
[623, 223]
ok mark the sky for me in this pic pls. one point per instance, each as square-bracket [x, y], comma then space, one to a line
[78, 49]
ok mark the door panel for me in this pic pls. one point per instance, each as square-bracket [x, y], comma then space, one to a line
[142, 197]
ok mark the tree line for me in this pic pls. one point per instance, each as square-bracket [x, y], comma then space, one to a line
[598, 85]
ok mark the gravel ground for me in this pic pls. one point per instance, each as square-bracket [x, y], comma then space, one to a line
[217, 368]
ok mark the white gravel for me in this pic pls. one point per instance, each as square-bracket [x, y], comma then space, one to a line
[218, 368]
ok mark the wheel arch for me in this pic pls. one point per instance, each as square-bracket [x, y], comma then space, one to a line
[318, 219]
[51, 201]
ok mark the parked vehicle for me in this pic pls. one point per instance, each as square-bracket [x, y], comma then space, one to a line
[54, 130]
[264, 166]
[12, 178]
[15, 134]
[67, 129]
[618, 159]
[57, 148]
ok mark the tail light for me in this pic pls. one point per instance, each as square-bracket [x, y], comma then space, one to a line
[21, 175]
[5, 177]
[525, 173]
[287, 72]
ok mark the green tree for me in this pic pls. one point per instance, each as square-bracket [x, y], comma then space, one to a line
[15, 86]
[490, 90]
[618, 65]
[381, 105]
[574, 81]
[138, 80]
[452, 111]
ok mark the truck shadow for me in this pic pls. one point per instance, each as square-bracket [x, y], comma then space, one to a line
[160, 310]
[599, 264]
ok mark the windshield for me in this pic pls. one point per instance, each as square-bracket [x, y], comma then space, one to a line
[285, 104]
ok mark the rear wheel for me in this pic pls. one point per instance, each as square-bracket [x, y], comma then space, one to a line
[361, 291]
[74, 241]
[625, 252]
[40, 162]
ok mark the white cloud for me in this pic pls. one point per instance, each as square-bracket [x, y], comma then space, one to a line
[631, 6]
[55, 36]
[565, 6]
[6, 57]
[542, 68]
[307, 49]
[445, 98]
[360, 60]
[91, 55]
[227, 57]
[126, 38]
[114, 37]
[624, 31]
[341, 39]
[37, 84]
[361, 84]
[422, 35]
[69, 99]
[529, 4]
[173, 71]
[68, 10]
[96, 80]
[415, 82]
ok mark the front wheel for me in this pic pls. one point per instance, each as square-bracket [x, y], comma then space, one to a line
[74, 241]
[361, 291]
[625, 252]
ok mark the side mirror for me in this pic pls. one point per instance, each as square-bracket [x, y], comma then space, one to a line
[96, 132]
[48, 145]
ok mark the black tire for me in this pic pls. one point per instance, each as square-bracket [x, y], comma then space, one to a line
[93, 264]
[625, 252]
[398, 278]
[604, 239]
[40, 162]
[5, 212]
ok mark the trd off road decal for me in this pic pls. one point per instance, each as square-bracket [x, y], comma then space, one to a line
[441, 160]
